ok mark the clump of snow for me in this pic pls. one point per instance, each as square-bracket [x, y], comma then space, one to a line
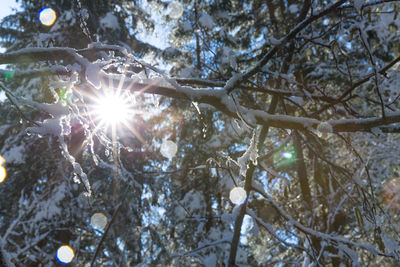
[168, 149]
[241, 256]
[222, 15]
[228, 57]
[238, 127]
[225, 183]
[50, 208]
[293, 8]
[4, 128]
[210, 260]
[229, 86]
[390, 244]
[189, 72]
[109, 21]
[275, 41]
[247, 225]
[193, 201]
[187, 27]
[358, 4]
[84, 13]
[15, 154]
[298, 100]
[345, 251]
[55, 110]
[179, 213]
[171, 52]
[47, 127]
[214, 142]
[250, 154]
[227, 218]
[206, 21]
[68, 15]
[93, 75]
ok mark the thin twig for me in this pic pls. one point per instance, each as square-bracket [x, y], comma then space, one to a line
[291, 35]
[364, 41]
[11, 97]
[105, 234]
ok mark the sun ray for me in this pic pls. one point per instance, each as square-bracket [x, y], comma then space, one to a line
[122, 80]
[111, 108]
[136, 133]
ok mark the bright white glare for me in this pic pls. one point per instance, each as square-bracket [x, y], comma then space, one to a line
[65, 254]
[286, 155]
[247, 225]
[237, 195]
[3, 172]
[168, 149]
[112, 109]
[98, 221]
[47, 16]
[174, 10]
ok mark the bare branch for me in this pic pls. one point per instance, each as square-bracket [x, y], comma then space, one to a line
[292, 34]
[105, 234]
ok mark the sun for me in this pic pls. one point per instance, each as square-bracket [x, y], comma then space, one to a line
[116, 111]
[113, 109]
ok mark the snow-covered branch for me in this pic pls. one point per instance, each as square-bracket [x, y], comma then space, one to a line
[322, 236]
[292, 34]
[217, 98]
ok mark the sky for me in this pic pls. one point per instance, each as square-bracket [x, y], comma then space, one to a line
[6, 6]
[158, 38]
[6, 9]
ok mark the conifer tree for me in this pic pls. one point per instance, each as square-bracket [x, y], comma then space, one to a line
[250, 134]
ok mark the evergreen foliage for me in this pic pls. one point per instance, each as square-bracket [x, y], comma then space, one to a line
[296, 102]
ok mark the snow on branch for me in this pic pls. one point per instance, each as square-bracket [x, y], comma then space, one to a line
[218, 98]
[292, 34]
[204, 246]
[221, 101]
[322, 236]
[35, 54]
[272, 231]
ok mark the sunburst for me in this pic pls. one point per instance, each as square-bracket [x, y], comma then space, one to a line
[113, 109]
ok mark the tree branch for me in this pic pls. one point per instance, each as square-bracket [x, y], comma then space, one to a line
[231, 85]
[216, 98]
[357, 84]
[105, 234]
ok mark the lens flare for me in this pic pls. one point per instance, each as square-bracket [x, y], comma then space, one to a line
[175, 10]
[65, 96]
[324, 130]
[3, 172]
[47, 16]
[98, 221]
[9, 75]
[285, 157]
[168, 149]
[65, 254]
[237, 195]
[112, 109]
[391, 194]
